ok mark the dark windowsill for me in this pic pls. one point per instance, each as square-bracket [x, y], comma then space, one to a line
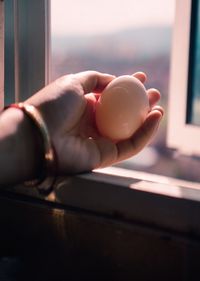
[135, 197]
[103, 224]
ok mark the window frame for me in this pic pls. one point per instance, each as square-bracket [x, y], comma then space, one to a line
[181, 135]
[27, 47]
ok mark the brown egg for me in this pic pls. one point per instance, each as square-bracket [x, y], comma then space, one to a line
[121, 108]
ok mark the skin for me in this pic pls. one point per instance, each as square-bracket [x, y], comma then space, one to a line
[67, 106]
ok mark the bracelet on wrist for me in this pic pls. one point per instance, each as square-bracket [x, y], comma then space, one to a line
[47, 176]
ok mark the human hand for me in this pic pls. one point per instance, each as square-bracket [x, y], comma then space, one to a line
[68, 108]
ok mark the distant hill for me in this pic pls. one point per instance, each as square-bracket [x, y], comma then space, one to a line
[145, 42]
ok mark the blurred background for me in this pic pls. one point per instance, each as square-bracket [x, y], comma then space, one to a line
[122, 37]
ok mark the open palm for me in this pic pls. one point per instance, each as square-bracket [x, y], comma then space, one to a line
[68, 109]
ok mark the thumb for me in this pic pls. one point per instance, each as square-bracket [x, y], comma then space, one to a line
[93, 81]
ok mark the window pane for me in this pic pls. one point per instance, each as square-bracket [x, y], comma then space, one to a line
[194, 81]
[122, 37]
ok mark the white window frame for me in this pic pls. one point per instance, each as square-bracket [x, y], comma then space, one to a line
[182, 136]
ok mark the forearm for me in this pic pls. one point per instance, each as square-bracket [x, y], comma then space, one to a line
[20, 152]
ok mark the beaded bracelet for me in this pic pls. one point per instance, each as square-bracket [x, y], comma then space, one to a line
[46, 182]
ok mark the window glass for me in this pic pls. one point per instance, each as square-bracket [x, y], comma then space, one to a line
[122, 37]
[194, 81]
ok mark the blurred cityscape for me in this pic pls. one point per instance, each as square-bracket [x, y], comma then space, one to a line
[125, 52]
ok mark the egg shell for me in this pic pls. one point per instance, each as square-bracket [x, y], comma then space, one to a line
[121, 108]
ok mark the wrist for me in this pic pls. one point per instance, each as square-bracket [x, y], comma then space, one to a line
[46, 176]
[22, 145]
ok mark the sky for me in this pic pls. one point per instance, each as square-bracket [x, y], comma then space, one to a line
[83, 17]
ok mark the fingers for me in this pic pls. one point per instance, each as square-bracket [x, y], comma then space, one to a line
[159, 108]
[140, 76]
[154, 97]
[93, 81]
[153, 94]
[141, 138]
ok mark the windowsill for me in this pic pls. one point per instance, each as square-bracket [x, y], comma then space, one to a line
[160, 202]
